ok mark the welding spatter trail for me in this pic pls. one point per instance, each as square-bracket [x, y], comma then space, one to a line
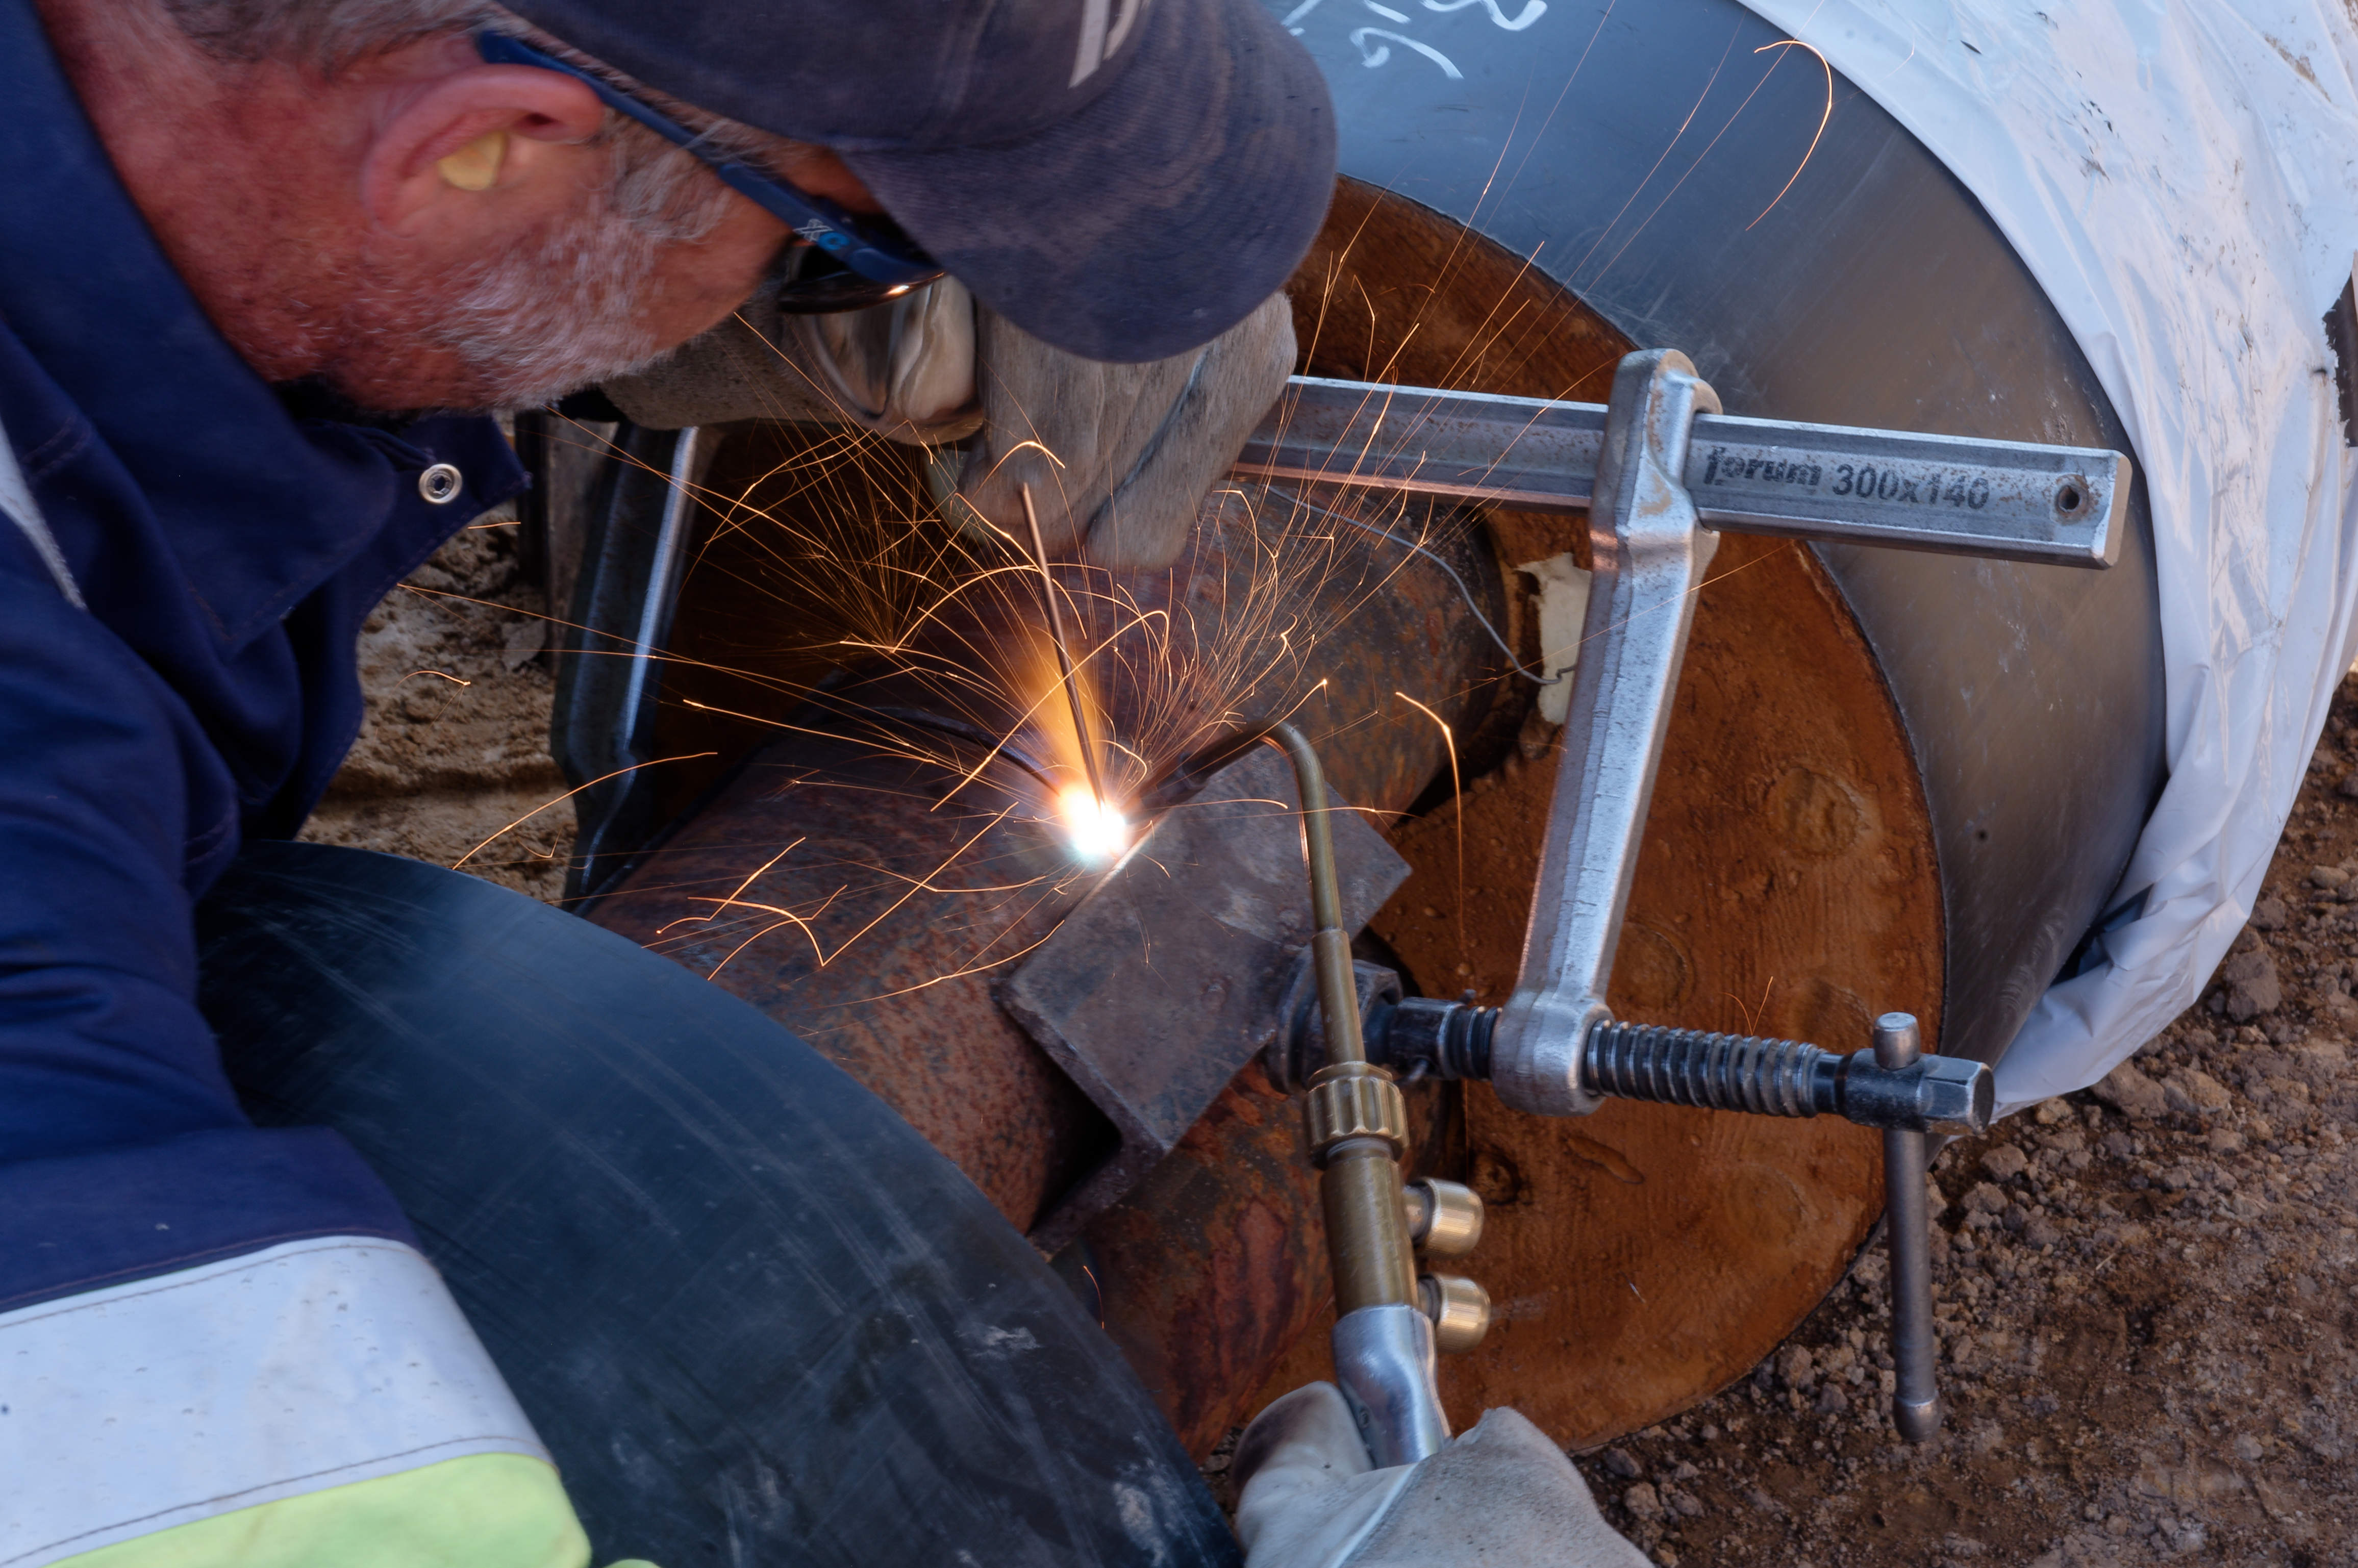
[1094, 821]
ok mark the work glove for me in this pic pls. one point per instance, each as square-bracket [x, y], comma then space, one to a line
[1502, 1496]
[1118, 458]
[903, 369]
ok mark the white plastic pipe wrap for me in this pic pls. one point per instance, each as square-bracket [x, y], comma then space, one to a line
[2182, 180]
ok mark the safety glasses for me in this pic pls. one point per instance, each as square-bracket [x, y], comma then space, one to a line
[845, 262]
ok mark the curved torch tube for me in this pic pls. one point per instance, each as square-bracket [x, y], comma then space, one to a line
[1357, 1127]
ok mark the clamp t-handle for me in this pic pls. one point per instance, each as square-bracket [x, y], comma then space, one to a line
[1908, 1234]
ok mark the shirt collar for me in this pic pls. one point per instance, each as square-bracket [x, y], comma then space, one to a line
[261, 508]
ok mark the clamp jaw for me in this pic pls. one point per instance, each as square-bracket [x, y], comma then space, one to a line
[1649, 552]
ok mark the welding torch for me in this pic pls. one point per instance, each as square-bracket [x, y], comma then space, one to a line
[1389, 1318]
[1356, 1124]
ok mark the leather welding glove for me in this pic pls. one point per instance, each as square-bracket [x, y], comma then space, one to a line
[1502, 1496]
[1131, 450]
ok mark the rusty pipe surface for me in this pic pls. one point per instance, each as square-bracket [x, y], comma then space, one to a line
[864, 878]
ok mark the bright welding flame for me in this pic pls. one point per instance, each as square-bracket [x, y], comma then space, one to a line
[1095, 828]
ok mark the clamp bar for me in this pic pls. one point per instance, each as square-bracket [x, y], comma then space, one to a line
[2005, 500]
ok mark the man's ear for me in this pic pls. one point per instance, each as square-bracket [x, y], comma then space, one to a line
[460, 148]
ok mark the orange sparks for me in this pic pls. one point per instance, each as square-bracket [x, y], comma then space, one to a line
[1829, 114]
[568, 795]
[1457, 806]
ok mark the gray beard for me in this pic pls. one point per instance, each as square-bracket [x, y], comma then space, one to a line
[563, 314]
[562, 310]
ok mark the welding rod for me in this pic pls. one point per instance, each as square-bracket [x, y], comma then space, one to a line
[1063, 655]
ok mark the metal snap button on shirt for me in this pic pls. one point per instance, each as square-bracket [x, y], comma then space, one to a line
[440, 484]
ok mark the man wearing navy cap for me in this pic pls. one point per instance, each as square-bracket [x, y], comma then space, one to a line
[251, 254]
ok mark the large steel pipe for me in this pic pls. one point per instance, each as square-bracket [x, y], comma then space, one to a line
[1700, 187]
[1892, 780]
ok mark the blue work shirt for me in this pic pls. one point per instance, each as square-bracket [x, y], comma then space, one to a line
[228, 551]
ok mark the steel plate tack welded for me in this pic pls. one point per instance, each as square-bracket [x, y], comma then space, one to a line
[1166, 979]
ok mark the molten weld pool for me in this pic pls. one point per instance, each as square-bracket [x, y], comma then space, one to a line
[1094, 826]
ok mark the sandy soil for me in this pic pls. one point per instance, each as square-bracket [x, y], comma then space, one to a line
[2148, 1338]
[455, 746]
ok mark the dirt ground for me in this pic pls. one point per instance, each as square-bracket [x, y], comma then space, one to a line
[455, 746]
[2144, 1290]
[2143, 1299]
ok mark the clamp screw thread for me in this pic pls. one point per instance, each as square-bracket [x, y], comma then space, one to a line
[1716, 1072]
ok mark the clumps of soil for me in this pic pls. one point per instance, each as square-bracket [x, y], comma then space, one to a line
[455, 745]
[2145, 1305]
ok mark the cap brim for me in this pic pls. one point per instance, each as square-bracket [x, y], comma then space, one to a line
[1156, 218]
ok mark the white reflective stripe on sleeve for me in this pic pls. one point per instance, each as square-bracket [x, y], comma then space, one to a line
[16, 505]
[313, 1365]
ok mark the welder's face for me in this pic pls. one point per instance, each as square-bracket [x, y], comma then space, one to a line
[584, 294]
[419, 228]
[525, 243]
[632, 265]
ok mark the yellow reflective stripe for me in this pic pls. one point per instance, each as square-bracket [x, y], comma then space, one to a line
[486, 1511]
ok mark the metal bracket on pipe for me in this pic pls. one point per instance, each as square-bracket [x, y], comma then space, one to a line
[1159, 988]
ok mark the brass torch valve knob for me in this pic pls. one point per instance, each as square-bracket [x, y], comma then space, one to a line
[1352, 1099]
[1444, 1218]
[1459, 1308]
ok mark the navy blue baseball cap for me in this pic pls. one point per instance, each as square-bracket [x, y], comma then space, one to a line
[1124, 179]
